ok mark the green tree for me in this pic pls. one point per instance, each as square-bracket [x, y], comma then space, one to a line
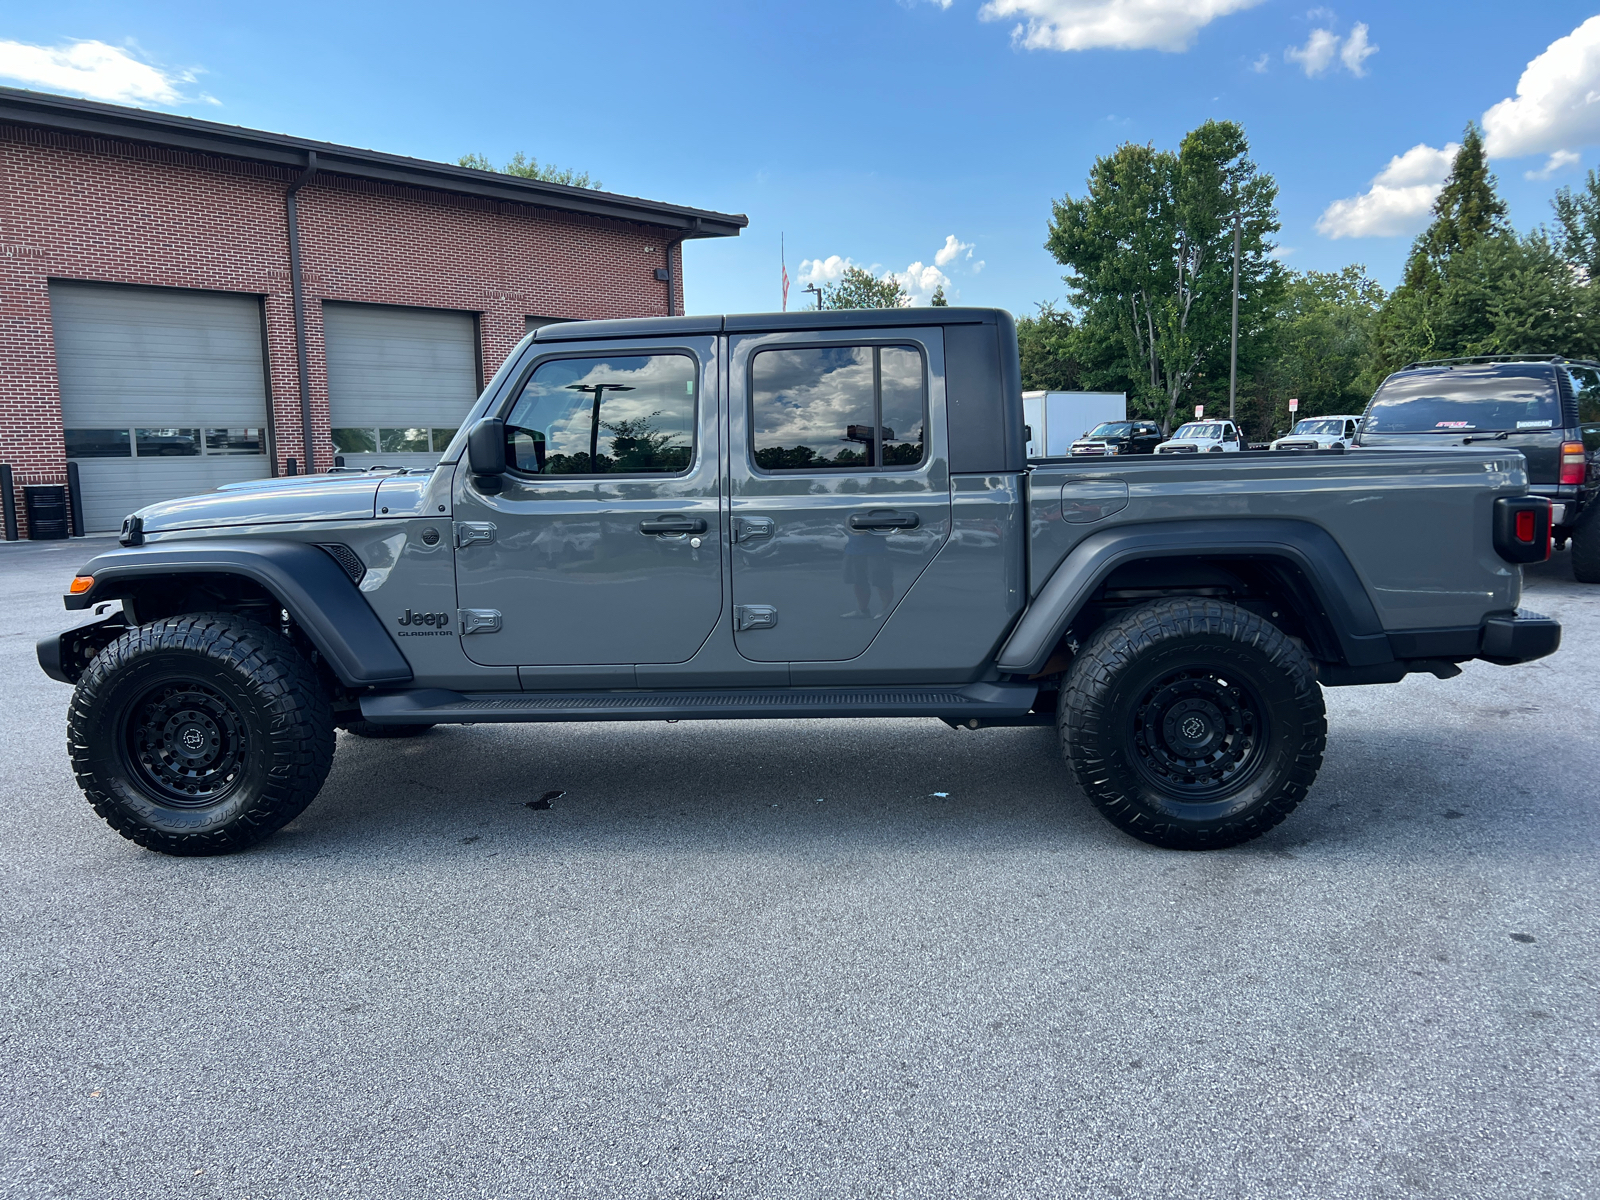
[859, 288]
[1577, 237]
[1050, 349]
[1150, 250]
[938, 300]
[1474, 286]
[530, 168]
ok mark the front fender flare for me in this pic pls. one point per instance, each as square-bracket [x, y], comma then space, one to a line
[1345, 608]
[303, 578]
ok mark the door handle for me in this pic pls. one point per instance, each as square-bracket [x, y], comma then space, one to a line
[884, 518]
[672, 524]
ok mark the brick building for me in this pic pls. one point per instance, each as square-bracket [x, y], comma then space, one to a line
[150, 330]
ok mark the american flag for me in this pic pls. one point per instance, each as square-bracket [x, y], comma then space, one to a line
[782, 258]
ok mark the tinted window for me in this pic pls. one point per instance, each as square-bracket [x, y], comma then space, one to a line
[1111, 429]
[1463, 399]
[234, 441]
[98, 443]
[166, 443]
[1586, 383]
[837, 408]
[621, 415]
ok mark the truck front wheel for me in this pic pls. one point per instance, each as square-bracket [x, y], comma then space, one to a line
[1192, 724]
[200, 734]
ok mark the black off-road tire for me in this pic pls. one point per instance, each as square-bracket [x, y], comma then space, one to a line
[1192, 724]
[362, 727]
[200, 734]
[1586, 548]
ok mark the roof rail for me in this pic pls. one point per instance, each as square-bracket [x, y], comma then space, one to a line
[1486, 358]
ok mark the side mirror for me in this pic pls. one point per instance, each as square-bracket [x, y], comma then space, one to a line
[486, 451]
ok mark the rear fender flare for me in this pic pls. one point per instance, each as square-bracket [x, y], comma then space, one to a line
[304, 579]
[1344, 608]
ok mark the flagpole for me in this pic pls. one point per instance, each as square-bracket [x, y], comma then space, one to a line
[783, 260]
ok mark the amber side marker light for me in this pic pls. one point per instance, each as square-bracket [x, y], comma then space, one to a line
[80, 585]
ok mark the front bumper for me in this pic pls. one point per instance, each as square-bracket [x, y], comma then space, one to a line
[1518, 637]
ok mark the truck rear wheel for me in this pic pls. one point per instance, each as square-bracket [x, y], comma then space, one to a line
[1586, 548]
[200, 734]
[1192, 724]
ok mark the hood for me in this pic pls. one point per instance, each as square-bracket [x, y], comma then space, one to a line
[268, 501]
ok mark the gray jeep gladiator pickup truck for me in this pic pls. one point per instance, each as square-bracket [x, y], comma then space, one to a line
[800, 515]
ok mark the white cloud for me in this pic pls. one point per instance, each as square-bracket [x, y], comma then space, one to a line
[920, 279]
[951, 249]
[1316, 54]
[1260, 64]
[1557, 105]
[1324, 45]
[1357, 49]
[1399, 199]
[1559, 161]
[1109, 24]
[93, 69]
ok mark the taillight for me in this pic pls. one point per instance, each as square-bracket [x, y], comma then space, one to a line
[1572, 463]
[1522, 528]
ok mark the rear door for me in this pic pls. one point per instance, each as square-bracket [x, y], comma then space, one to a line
[839, 486]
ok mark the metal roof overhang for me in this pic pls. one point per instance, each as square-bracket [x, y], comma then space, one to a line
[70, 115]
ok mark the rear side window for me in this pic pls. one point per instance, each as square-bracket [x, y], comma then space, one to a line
[1466, 399]
[1586, 384]
[837, 408]
[616, 415]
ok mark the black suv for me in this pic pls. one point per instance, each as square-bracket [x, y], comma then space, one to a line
[1544, 405]
[1119, 437]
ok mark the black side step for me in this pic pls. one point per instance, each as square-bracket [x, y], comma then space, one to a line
[987, 703]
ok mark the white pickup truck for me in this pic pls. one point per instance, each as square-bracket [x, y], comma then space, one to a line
[1320, 433]
[1202, 437]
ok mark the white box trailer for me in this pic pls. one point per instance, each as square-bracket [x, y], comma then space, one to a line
[1058, 419]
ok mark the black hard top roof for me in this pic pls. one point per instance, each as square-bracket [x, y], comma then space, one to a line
[803, 321]
[71, 115]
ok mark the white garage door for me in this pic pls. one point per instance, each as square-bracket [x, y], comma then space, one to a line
[399, 381]
[163, 393]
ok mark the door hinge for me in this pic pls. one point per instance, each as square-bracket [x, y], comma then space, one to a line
[469, 533]
[749, 529]
[479, 620]
[754, 616]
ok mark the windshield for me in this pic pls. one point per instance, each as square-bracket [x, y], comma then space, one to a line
[1321, 427]
[1195, 429]
[1465, 399]
[1111, 429]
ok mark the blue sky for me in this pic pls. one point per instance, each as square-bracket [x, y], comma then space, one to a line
[916, 136]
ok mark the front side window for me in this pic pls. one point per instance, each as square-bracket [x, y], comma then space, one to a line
[837, 408]
[1466, 399]
[616, 415]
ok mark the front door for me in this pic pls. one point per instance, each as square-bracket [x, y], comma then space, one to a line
[602, 545]
[839, 487]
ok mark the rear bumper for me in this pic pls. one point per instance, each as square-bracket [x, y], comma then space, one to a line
[1518, 637]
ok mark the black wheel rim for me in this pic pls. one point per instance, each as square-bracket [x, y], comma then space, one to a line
[1198, 734]
[186, 744]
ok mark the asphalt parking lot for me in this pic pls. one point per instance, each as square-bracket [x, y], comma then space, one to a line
[774, 959]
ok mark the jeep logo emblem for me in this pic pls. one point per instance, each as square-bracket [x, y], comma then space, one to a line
[433, 619]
